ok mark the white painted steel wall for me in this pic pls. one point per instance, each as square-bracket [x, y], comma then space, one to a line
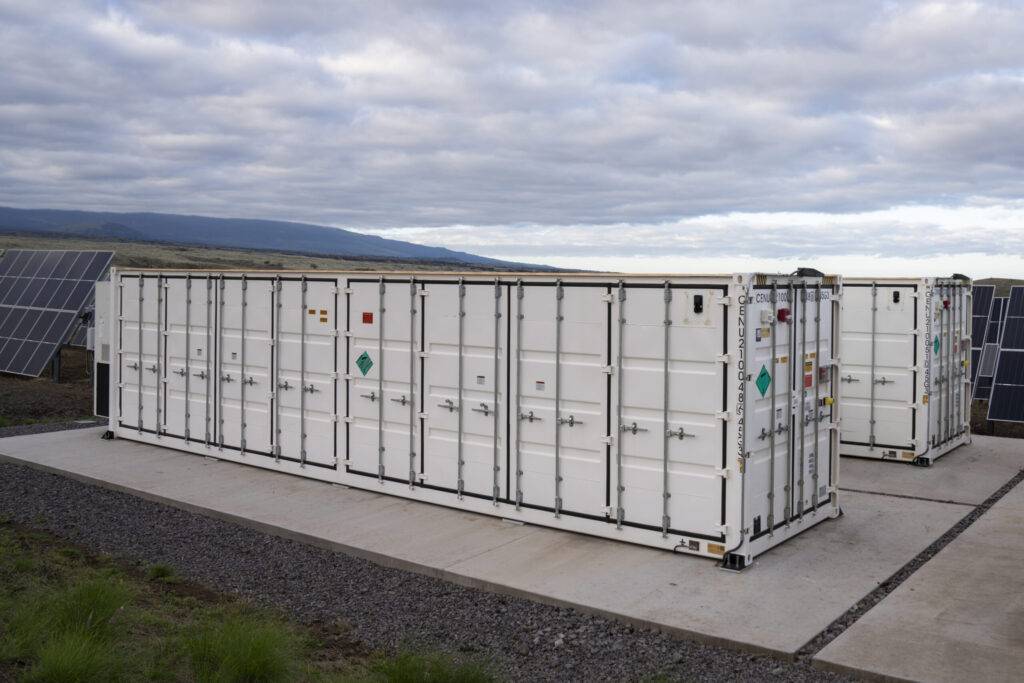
[686, 413]
[906, 351]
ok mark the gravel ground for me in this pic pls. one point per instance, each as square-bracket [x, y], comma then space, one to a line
[387, 608]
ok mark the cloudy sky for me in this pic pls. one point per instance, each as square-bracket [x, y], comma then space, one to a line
[864, 137]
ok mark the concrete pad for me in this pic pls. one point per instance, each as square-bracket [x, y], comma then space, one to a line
[959, 618]
[969, 474]
[784, 600]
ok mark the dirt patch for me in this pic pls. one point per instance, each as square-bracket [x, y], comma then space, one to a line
[980, 424]
[24, 400]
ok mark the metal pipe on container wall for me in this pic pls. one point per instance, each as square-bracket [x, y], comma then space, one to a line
[460, 484]
[241, 358]
[666, 429]
[519, 392]
[412, 381]
[944, 325]
[276, 353]
[138, 372]
[209, 345]
[558, 397]
[188, 355]
[790, 441]
[302, 372]
[874, 317]
[159, 365]
[777, 427]
[497, 378]
[619, 488]
[954, 344]
[947, 361]
[382, 288]
[220, 360]
[803, 397]
[743, 455]
[817, 396]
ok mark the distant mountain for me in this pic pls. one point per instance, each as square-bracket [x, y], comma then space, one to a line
[227, 232]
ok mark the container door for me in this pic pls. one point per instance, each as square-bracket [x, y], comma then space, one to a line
[383, 363]
[189, 337]
[670, 386]
[946, 398]
[878, 376]
[788, 400]
[244, 352]
[305, 337]
[140, 352]
[465, 431]
[561, 371]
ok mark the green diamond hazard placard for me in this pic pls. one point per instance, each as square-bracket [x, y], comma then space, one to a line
[764, 380]
[364, 363]
[936, 345]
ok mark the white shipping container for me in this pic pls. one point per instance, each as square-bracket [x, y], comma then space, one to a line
[905, 367]
[691, 413]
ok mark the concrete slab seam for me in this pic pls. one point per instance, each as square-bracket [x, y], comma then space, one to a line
[864, 605]
[903, 495]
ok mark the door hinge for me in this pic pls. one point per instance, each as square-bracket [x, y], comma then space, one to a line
[610, 440]
[722, 358]
[723, 415]
[608, 369]
[722, 472]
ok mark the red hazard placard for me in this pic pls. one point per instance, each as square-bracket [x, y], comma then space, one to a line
[368, 318]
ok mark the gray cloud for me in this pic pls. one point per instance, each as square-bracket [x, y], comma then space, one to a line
[525, 114]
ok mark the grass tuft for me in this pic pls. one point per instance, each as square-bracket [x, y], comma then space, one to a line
[75, 657]
[410, 667]
[90, 608]
[156, 572]
[243, 649]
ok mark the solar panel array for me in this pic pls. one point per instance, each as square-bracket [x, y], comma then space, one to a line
[980, 311]
[41, 296]
[1007, 401]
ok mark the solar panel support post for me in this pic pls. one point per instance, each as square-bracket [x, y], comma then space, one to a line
[55, 367]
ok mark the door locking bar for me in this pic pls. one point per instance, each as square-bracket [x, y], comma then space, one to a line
[682, 434]
[151, 368]
[372, 396]
[447, 404]
[571, 421]
[529, 417]
[179, 371]
[885, 381]
[133, 365]
[250, 381]
[632, 429]
[201, 374]
[284, 385]
[849, 379]
[402, 400]
[484, 408]
[311, 389]
[226, 378]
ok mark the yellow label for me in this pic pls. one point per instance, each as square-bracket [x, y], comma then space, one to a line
[811, 355]
[323, 320]
[783, 359]
[766, 332]
[312, 311]
[924, 399]
[716, 548]
[322, 312]
[808, 367]
[908, 455]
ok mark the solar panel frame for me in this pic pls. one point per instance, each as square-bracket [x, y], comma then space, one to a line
[46, 292]
[1006, 403]
[981, 308]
